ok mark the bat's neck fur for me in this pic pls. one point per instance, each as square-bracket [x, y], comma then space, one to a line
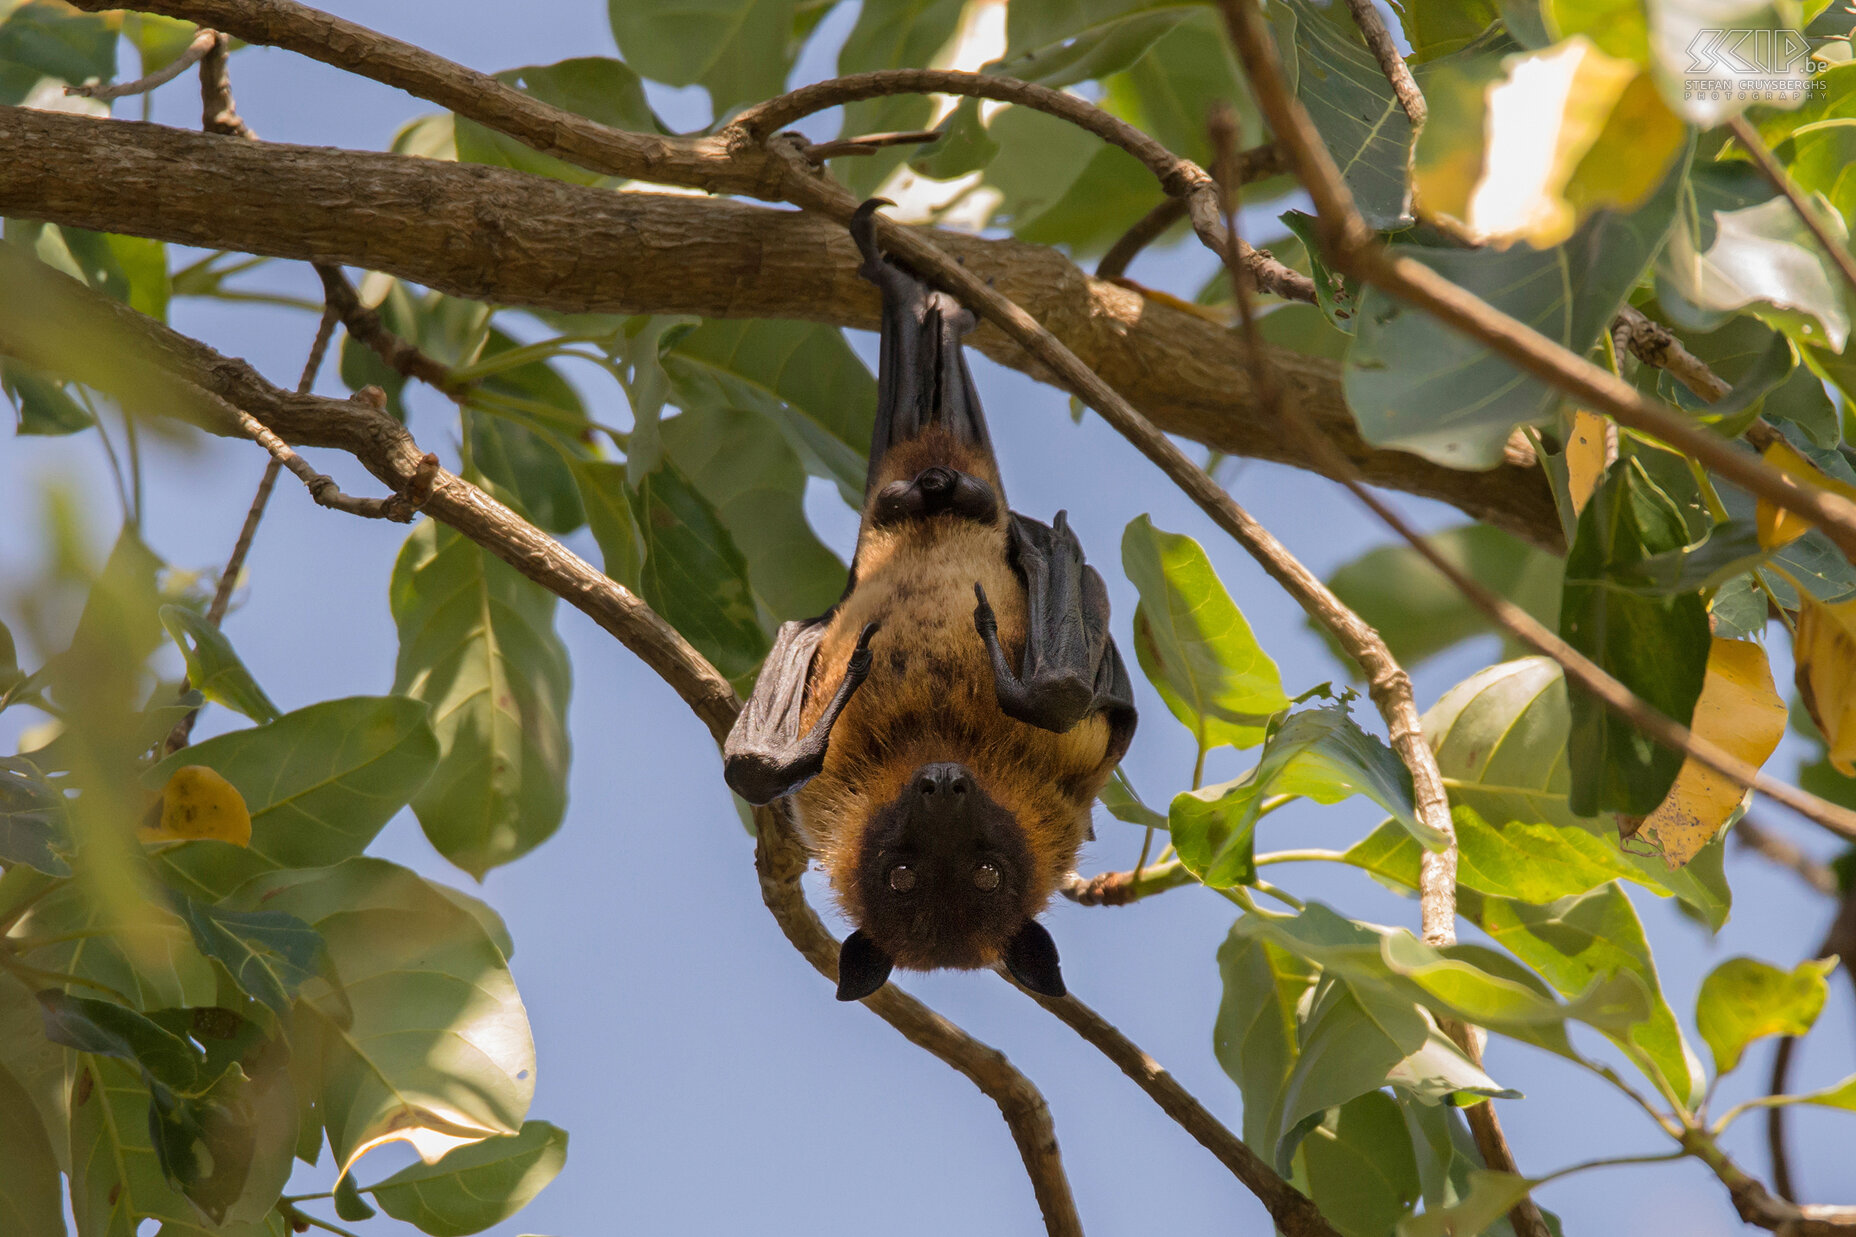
[930, 694]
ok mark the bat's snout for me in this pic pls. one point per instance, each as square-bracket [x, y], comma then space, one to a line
[947, 781]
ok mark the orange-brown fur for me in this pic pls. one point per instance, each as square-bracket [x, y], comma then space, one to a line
[930, 694]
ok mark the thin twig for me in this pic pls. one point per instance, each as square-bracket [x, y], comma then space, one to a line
[1351, 247]
[1295, 1213]
[396, 507]
[218, 114]
[1775, 1120]
[1758, 1205]
[1654, 344]
[201, 44]
[1379, 39]
[1257, 163]
[365, 326]
[868, 144]
[1776, 848]
[1748, 137]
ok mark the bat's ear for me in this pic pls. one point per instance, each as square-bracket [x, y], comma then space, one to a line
[1031, 957]
[863, 967]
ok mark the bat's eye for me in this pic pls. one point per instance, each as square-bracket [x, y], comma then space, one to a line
[986, 877]
[902, 878]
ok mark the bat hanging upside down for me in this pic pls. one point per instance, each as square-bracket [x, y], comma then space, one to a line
[944, 729]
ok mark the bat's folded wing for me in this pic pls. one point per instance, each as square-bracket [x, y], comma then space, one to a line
[766, 756]
[1071, 669]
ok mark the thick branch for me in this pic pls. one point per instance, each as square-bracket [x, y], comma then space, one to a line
[501, 236]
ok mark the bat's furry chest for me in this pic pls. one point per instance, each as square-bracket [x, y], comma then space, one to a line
[930, 697]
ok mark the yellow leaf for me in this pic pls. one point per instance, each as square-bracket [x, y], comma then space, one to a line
[1777, 526]
[1585, 456]
[198, 803]
[1739, 711]
[1824, 651]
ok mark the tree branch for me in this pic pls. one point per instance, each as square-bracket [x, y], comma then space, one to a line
[201, 44]
[1384, 50]
[501, 236]
[1352, 247]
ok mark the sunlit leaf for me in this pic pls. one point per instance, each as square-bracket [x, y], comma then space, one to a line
[477, 643]
[432, 1046]
[43, 38]
[1824, 650]
[1320, 753]
[477, 1185]
[1194, 644]
[1491, 1195]
[1500, 738]
[1742, 1000]
[150, 959]
[1123, 803]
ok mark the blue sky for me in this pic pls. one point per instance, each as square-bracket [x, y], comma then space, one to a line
[707, 1077]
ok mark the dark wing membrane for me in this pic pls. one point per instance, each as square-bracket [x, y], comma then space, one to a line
[766, 757]
[1071, 669]
[922, 376]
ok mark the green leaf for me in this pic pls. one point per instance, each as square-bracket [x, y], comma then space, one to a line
[1336, 295]
[477, 644]
[1656, 646]
[1123, 803]
[1194, 644]
[530, 459]
[1500, 738]
[890, 34]
[1059, 44]
[1353, 107]
[475, 1186]
[213, 668]
[1533, 861]
[1255, 1036]
[37, 1065]
[1742, 1000]
[101, 1028]
[801, 376]
[270, 956]
[741, 465]
[1735, 245]
[1491, 1195]
[30, 1201]
[43, 38]
[1361, 1170]
[1171, 89]
[41, 405]
[1110, 192]
[693, 574]
[1320, 753]
[33, 828]
[596, 87]
[1420, 613]
[150, 960]
[319, 782]
[1581, 940]
[738, 50]
[1436, 28]
[1417, 385]
[605, 497]
[426, 1041]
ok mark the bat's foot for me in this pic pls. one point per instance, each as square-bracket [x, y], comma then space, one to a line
[984, 621]
[858, 668]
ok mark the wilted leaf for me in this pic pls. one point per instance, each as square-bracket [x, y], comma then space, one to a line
[1824, 652]
[198, 803]
[1742, 1000]
[475, 1186]
[1655, 645]
[433, 1047]
[1194, 644]
[1778, 526]
[213, 668]
[1740, 711]
[1320, 753]
[477, 643]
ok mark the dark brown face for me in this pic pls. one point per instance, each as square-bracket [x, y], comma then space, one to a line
[943, 875]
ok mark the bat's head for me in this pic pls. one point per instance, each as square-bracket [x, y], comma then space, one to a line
[944, 878]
